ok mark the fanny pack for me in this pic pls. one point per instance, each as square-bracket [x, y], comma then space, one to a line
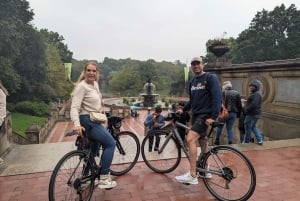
[98, 117]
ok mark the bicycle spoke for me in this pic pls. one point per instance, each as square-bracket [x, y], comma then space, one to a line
[124, 162]
[166, 160]
[238, 179]
[66, 180]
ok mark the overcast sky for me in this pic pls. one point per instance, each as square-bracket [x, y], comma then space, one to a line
[166, 30]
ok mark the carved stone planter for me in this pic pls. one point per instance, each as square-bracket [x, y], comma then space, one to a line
[218, 50]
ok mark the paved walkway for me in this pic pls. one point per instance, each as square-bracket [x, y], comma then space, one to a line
[26, 171]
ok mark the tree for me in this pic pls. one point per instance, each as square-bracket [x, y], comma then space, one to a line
[56, 80]
[271, 35]
[31, 66]
[14, 18]
[57, 40]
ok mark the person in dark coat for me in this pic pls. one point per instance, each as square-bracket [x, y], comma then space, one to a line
[232, 102]
[253, 110]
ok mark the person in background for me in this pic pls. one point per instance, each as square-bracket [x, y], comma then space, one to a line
[146, 128]
[232, 102]
[253, 110]
[154, 121]
[86, 98]
[3, 94]
[184, 118]
[205, 103]
[241, 122]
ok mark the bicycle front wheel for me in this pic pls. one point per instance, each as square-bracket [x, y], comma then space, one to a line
[235, 177]
[126, 153]
[160, 151]
[67, 180]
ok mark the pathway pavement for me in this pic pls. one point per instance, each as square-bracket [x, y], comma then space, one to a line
[26, 171]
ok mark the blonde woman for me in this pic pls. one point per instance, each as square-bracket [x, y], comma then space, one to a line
[86, 98]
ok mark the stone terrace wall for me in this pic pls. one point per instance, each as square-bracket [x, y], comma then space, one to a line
[36, 134]
[280, 82]
[5, 132]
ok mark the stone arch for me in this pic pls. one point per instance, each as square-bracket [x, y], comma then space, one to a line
[266, 87]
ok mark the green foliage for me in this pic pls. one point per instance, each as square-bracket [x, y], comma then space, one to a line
[125, 101]
[8, 75]
[28, 56]
[56, 40]
[272, 35]
[22, 121]
[132, 75]
[57, 83]
[39, 109]
[32, 66]
[14, 18]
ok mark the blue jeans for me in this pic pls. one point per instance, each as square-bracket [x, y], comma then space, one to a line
[250, 126]
[242, 136]
[229, 125]
[97, 133]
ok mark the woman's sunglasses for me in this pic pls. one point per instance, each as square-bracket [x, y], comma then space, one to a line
[90, 70]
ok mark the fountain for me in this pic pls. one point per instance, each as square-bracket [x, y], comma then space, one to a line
[149, 98]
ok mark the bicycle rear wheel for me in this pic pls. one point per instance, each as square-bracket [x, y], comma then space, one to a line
[126, 154]
[67, 181]
[236, 179]
[160, 151]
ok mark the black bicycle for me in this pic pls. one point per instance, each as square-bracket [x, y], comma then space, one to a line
[73, 178]
[233, 176]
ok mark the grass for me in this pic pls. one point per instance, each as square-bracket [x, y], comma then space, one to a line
[20, 122]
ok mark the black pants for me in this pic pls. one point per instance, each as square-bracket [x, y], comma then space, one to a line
[151, 141]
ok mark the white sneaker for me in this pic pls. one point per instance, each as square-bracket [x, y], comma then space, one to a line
[106, 182]
[207, 175]
[86, 184]
[187, 178]
[96, 182]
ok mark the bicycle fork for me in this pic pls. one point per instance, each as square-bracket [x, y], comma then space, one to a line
[119, 146]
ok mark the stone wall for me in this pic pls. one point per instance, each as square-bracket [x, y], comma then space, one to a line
[5, 132]
[280, 81]
[36, 134]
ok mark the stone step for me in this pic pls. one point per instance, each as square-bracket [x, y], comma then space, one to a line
[26, 159]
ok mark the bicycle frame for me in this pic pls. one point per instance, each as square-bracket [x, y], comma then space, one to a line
[224, 162]
[175, 134]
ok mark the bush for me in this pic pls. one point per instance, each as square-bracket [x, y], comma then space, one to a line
[39, 109]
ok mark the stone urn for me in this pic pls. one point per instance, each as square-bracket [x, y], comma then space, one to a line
[218, 49]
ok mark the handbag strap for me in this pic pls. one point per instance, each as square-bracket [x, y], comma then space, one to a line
[101, 102]
[225, 97]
